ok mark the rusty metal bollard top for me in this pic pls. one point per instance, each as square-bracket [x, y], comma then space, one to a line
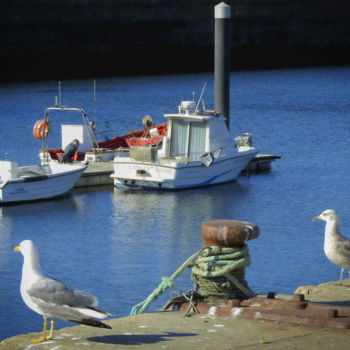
[228, 233]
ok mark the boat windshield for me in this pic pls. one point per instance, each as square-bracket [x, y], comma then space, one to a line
[197, 140]
[188, 139]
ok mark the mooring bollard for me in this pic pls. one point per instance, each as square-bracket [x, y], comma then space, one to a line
[219, 270]
[228, 233]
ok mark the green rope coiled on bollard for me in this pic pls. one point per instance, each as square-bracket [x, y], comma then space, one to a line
[208, 263]
[167, 282]
[215, 265]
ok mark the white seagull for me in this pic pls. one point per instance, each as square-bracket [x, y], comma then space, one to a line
[336, 246]
[53, 299]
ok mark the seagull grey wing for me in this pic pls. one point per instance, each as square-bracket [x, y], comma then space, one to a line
[64, 312]
[52, 291]
[344, 244]
[347, 245]
[86, 298]
[342, 254]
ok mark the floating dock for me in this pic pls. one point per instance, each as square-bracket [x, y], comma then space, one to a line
[99, 173]
[96, 174]
[261, 162]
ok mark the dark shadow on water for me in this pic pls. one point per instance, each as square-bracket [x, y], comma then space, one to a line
[334, 303]
[65, 202]
[139, 339]
[232, 186]
[88, 189]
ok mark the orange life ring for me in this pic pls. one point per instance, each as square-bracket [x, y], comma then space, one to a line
[41, 129]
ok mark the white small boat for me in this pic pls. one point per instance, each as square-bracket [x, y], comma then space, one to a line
[36, 182]
[197, 150]
[90, 150]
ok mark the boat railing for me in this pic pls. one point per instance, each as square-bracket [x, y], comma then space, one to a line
[89, 124]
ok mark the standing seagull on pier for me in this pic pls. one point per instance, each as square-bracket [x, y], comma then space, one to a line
[53, 299]
[336, 246]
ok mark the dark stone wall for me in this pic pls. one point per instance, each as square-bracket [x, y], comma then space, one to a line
[55, 39]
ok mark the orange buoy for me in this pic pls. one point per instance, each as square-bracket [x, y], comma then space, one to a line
[41, 129]
[228, 233]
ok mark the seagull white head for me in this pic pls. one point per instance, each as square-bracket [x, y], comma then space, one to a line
[29, 252]
[328, 215]
[25, 247]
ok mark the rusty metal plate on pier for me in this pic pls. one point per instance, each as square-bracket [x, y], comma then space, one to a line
[290, 311]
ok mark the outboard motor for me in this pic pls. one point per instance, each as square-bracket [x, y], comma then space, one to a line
[69, 152]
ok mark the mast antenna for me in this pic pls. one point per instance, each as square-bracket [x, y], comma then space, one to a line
[95, 100]
[59, 94]
[200, 97]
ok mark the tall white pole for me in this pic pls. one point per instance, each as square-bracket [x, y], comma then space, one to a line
[222, 60]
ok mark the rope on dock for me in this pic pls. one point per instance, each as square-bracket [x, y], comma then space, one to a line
[217, 272]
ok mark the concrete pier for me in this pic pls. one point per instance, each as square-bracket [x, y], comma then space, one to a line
[172, 330]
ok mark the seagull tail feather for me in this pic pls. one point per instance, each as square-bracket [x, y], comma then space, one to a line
[88, 321]
[93, 312]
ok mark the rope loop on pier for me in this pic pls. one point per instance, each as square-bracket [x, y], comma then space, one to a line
[217, 272]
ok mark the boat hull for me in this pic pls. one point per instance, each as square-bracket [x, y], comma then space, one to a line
[40, 187]
[175, 175]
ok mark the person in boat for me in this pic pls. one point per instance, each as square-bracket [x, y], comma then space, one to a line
[69, 152]
[148, 124]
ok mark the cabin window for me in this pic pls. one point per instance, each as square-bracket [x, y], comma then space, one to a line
[188, 139]
[197, 140]
[179, 138]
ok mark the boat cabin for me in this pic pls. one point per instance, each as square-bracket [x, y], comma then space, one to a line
[192, 133]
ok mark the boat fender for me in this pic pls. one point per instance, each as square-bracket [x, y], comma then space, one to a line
[228, 233]
[41, 129]
[153, 132]
[69, 152]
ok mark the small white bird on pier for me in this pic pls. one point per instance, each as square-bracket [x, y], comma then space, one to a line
[336, 246]
[53, 299]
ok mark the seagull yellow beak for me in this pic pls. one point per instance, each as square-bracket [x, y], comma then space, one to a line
[316, 218]
[16, 249]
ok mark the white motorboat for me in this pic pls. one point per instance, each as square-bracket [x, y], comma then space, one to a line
[197, 150]
[36, 182]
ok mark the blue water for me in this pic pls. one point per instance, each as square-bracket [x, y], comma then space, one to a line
[118, 244]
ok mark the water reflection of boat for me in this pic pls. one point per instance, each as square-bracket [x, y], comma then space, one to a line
[36, 182]
[197, 150]
[173, 206]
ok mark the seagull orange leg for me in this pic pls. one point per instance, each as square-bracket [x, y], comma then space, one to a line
[43, 338]
[51, 329]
